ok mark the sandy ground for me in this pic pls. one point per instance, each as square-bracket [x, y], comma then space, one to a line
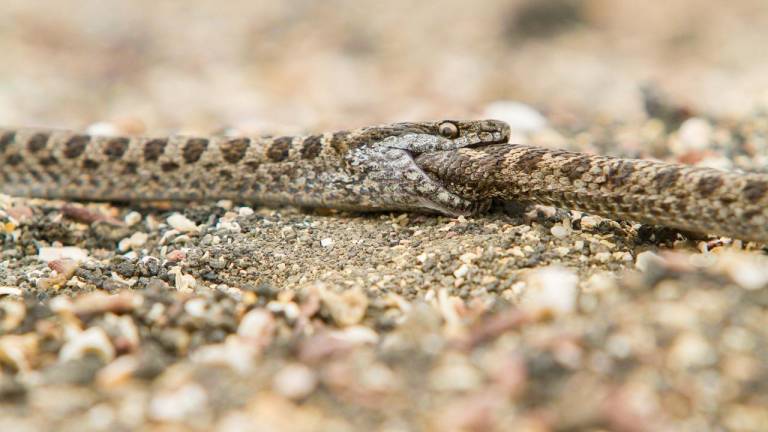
[229, 316]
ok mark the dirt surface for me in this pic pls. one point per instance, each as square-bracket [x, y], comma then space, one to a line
[228, 316]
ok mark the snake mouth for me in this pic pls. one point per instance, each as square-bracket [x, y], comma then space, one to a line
[487, 138]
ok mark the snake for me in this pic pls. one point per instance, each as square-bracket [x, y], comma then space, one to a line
[451, 167]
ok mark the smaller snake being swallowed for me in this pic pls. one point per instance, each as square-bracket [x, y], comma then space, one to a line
[450, 167]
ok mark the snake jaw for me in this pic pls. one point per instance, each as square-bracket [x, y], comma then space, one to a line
[395, 182]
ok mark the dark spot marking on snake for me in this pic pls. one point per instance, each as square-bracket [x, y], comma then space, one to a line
[755, 189]
[619, 172]
[75, 146]
[252, 165]
[37, 142]
[338, 141]
[225, 174]
[575, 167]
[54, 176]
[169, 166]
[154, 148]
[48, 161]
[116, 147]
[708, 185]
[130, 168]
[6, 139]
[311, 147]
[234, 150]
[194, 149]
[35, 174]
[751, 213]
[195, 184]
[90, 164]
[278, 151]
[666, 177]
[529, 161]
[14, 159]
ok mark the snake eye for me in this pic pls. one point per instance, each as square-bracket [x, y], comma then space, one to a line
[448, 130]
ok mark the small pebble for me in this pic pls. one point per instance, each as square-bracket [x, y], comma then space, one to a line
[346, 308]
[92, 340]
[745, 270]
[590, 222]
[183, 282]
[646, 259]
[176, 255]
[102, 129]
[551, 289]
[135, 241]
[694, 135]
[295, 381]
[12, 313]
[257, 325]
[244, 211]
[560, 231]
[47, 254]
[195, 307]
[461, 271]
[132, 218]
[178, 404]
[181, 223]
[9, 291]
[690, 350]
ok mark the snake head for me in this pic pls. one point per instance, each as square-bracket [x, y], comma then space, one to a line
[432, 136]
[382, 159]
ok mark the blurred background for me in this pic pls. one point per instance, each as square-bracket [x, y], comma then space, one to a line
[198, 66]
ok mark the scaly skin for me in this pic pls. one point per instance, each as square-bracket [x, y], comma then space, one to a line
[365, 169]
[451, 167]
[694, 199]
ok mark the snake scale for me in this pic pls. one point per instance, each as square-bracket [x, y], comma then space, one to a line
[450, 167]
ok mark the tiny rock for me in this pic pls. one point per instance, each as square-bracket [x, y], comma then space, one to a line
[295, 381]
[135, 241]
[177, 404]
[48, 254]
[132, 218]
[93, 340]
[694, 134]
[257, 325]
[646, 259]
[346, 308]
[180, 222]
[560, 231]
[551, 290]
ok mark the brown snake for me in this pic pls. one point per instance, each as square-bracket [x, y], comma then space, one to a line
[452, 167]
[702, 200]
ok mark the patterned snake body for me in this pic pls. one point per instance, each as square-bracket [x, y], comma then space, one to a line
[365, 169]
[452, 167]
[702, 200]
